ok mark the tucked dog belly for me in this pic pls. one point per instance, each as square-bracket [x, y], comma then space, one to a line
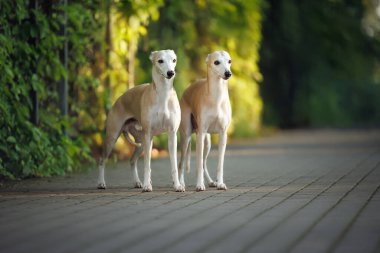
[214, 128]
[217, 124]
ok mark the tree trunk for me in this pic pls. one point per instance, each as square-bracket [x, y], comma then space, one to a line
[63, 82]
[33, 4]
[108, 39]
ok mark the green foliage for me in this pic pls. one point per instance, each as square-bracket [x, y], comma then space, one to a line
[318, 65]
[29, 60]
[109, 42]
[194, 29]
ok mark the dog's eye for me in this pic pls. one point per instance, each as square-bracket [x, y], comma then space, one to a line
[160, 61]
[174, 60]
[216, 62]
[229, 61]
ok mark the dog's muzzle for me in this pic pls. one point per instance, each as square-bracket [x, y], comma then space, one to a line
[170, 74]
[227, 75]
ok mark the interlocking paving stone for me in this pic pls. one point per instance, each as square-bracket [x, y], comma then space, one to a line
[295, 191]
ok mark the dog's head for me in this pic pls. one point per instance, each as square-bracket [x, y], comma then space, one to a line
[164, 62]
[220, 63]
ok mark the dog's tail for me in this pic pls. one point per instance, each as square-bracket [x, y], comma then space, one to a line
[126, 134]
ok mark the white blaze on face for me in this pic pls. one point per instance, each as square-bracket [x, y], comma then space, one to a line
[220, 63]
[164, 61]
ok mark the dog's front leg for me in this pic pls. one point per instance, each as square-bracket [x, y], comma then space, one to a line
[200, 144]
[211, 182]
[147, 144]
[222, 148]
[173, 160]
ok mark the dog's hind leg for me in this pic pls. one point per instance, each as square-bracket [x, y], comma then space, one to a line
[101, 165]
[133, 161]
[207, 149]
[185, 144]
[188, 156]
[107, 148]
[134, 129]
[113, 129]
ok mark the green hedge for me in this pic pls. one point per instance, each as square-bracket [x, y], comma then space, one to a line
[30, 43]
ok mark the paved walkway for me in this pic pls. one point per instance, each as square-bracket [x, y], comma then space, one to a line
[301, 191]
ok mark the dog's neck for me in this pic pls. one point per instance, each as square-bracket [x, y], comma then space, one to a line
[217, 87]
[160, 83]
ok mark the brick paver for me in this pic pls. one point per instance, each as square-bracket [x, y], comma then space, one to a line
[296, 191]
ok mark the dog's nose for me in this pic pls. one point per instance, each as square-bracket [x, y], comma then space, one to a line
[227, 74]
[170, 73]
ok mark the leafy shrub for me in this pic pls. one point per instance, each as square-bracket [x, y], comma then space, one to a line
[30, 43]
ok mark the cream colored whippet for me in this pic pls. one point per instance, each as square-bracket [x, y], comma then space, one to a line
[145, 111]
[205, 109]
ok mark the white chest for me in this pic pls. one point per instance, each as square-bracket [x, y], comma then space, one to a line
[217, 120]
[164, 119]
[159, 118]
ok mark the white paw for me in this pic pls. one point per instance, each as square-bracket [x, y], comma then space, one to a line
[182, 183]
[102, 186]
[179, 188]
[200, 187]
[221, 186]
[212, 184]
[138, 184]
[147, 188]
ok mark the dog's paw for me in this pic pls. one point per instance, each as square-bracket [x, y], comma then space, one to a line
[179, 188]
[102, 186]
[221, 186]
[200, 188]
[212, 184]
[182, 183]
[147, 188]
[138, 184]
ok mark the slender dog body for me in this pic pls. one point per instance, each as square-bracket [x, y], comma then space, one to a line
[205, 109]
[144, 111]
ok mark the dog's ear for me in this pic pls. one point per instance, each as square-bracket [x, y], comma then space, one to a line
[207, 58]
[151, 55]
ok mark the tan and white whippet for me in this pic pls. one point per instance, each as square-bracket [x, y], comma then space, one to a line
[145, 111]
[205, 109]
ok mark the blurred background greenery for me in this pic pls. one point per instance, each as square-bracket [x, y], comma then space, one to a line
[295, 64]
